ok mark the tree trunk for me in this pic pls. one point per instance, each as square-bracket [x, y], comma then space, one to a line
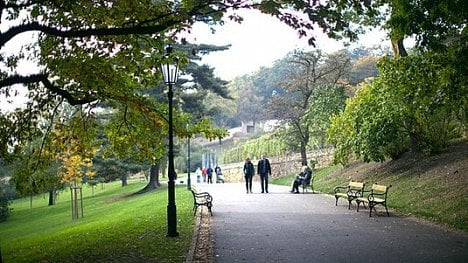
[398, 48]
[304, 141]
[124, 179]
[303, 153]
[162, 167]
[154, 179]
[154, 176]
[414, 143]
[52, 197]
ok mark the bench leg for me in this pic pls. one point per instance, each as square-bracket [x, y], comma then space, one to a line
[371, 207]
[209, 209]
[195, 210]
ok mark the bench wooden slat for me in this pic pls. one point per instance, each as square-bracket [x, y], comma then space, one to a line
[351, 192]
[378, 196]
[379, 188]
[356, 185]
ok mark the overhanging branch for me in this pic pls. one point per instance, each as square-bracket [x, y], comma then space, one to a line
[35, 26]
[42, 78]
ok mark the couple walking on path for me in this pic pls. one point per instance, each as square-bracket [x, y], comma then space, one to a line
[263, 169]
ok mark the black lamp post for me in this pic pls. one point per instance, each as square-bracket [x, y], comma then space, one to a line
[170, 74]
[189, 183]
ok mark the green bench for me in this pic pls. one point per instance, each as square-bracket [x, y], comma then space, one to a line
[201, 199]
[308, 182]
[351, 192]
[377, 196]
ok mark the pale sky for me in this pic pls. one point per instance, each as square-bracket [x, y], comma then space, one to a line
[258, 41]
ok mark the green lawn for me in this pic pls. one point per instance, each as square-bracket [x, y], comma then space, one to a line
[115, 228]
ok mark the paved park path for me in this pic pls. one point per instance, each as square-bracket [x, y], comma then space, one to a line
[284, 227]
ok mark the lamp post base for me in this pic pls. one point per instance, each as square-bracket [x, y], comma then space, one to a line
[172, 221]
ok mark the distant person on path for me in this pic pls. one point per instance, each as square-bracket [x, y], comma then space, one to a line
[209, 174]
[219, 174]
[204, 174]
[198, 173]
[303, 178]
[249, 172]
[264, 170]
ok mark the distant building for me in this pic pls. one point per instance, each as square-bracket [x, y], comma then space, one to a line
[250, 127]
[243, 132]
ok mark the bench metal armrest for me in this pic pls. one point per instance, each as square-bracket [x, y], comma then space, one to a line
[338, 189]
[204, 195]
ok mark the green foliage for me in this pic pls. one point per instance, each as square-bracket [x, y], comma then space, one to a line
[431, 22]
[326, 101]
[115, 227]
[33, 174]
[269, 144]
[7, 193]
[111, 169]
[412, 104]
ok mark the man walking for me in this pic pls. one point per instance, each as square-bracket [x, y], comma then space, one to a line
[264, 169]
[209, 174]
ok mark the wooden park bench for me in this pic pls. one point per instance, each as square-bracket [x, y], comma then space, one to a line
[377, 196]
[308, 183]
[201, 199]
[351, 192]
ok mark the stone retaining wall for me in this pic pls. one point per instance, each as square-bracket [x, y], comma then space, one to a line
[280, 166]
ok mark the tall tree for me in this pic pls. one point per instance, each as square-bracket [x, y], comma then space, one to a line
[432, 23]
[94, 52]
[250, 103]
[309, 72]
[414, 104]
[84, 45]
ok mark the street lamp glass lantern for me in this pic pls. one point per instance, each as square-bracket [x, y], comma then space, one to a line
[170, 71]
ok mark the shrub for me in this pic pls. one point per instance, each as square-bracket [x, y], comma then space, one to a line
[6, 195]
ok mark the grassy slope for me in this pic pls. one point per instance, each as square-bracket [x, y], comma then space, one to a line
[114, 228]
[434, 188]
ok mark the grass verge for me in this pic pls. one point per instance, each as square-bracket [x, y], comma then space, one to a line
[115, 227]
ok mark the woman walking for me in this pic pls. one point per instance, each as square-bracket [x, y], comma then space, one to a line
[249, 171]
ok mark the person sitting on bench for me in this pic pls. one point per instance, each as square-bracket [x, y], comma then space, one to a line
[304, 177]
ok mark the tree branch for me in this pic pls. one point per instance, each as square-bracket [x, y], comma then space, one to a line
[42, 78]
[35, 26]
